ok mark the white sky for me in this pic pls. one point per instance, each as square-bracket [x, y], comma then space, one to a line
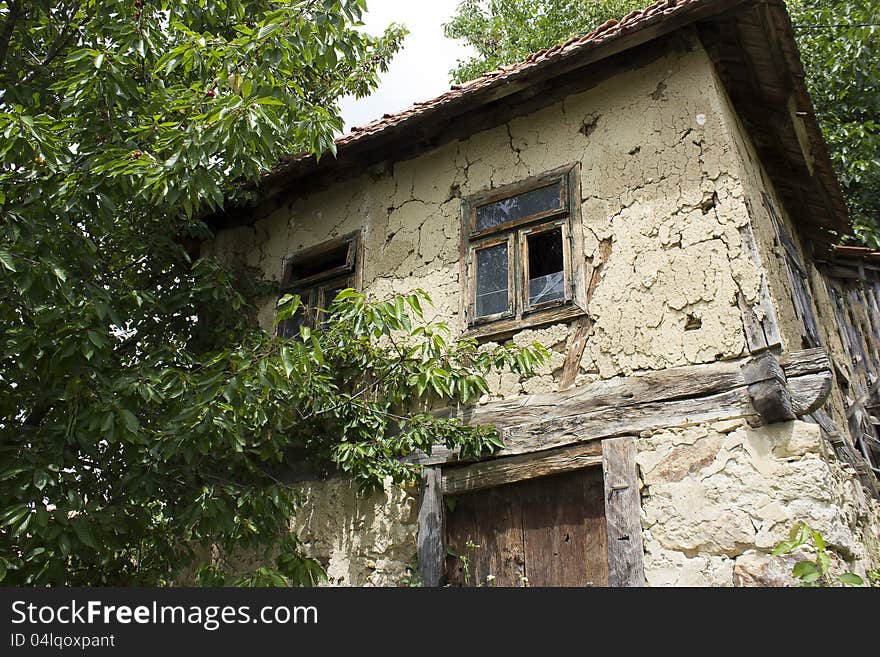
[420, 70]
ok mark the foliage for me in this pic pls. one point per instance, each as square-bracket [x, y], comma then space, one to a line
[839, 42]
[143, 418]
[813, 573]
[505, 31]
[411, 577]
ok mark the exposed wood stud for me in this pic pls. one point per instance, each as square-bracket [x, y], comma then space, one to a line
[574, 353]
[623, 513]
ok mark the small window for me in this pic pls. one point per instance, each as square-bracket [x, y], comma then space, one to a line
[519, 242]
[317, 275]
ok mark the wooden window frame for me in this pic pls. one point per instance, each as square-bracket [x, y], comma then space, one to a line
[489, 242]
[520, 313]
[347, 274]
[523, 235]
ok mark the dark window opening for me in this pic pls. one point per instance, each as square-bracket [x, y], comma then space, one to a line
[546, 266]
[321, 263]
[318, 275]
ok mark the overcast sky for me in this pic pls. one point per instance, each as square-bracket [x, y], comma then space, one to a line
[420, 70]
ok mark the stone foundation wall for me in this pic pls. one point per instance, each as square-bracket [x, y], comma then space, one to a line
[718, 498]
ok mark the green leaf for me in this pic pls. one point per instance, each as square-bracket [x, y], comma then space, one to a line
[41, 478]
[130, 420]
[84, 532]
[805, 571]
[824, 561]
[851, 579]
[285, 359]
[6, 260]
[99, 60]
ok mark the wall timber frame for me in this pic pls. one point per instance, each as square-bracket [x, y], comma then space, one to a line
[596, 426]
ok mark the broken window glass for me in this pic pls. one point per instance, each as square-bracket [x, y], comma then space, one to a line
[536, 201]
[492, 280]
[546, 266]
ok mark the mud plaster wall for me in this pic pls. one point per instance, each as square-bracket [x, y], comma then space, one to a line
[657, 182]
[661, 180]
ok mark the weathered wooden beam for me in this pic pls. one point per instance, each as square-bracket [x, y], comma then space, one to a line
[575, 353]
[623, 513]
[648, 401]
[764, 332]
[430, 528]
[808, 393]
[768, 388]
[486, 474]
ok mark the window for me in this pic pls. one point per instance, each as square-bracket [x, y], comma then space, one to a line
[317, 275]
[518, 246]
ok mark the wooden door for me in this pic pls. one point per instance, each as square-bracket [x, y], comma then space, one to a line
[540, 532]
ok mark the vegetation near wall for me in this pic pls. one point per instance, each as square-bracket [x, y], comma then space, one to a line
[142, 416]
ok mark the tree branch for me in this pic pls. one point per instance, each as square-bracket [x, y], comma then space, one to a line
[8, 28]
[62, 40]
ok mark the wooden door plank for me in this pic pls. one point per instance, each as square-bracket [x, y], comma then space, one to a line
[596, 545]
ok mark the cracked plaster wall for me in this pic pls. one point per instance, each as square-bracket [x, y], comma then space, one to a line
[656, 182]
[665, 183]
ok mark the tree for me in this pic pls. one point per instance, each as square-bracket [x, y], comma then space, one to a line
[143, 418]
[506, 31]
[839, 42]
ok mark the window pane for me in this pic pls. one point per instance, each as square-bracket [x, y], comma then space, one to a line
[546, 269]
[492, 280]
[330, 294]
[517, 207]
[289, 328]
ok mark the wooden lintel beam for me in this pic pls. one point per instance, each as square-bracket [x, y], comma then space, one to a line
[649, 401]
[486, 474]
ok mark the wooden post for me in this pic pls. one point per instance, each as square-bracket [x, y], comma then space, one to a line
[430, 536]
[623, 513]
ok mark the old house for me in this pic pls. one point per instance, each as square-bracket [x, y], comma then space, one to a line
[654, 202]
